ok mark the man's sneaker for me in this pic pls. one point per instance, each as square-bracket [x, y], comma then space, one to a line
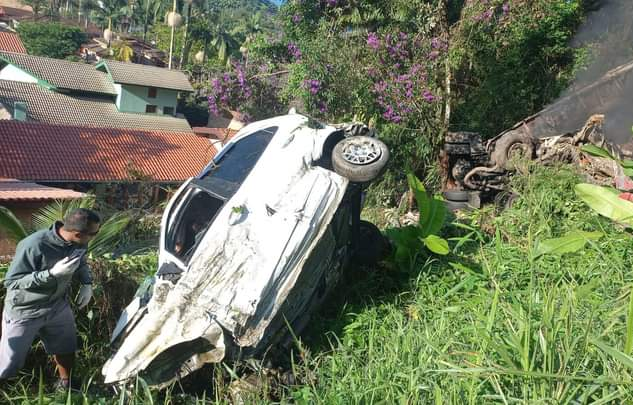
[64, 384]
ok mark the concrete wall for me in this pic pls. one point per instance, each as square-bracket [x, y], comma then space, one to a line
[15, 74]
[135, 99]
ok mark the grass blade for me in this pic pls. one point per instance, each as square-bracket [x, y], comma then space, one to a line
[629, 326]
[570, 243]
[622, 358]
[40, 388]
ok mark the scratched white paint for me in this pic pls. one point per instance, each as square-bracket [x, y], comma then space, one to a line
[244, 268]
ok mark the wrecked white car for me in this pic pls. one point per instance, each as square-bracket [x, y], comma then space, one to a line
[249, 247]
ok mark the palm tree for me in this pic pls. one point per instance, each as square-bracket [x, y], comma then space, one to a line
[147, 12]
[11, 225]
[85, 8]
[109, 10]
[249, 27]
[105, 241]
[212, 32]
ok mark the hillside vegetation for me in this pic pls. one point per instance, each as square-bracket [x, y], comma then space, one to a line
[491, 322]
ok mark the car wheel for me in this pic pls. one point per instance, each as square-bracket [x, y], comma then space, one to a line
[457, 205]
[457, 195]
[360, 158]
[372, 246]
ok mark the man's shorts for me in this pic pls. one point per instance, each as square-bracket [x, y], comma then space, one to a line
[56, 330]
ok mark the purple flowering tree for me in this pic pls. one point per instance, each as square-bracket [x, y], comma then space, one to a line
[249, 89]
[403, 69]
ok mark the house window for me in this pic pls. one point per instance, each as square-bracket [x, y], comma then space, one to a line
[150, 108]
[151, 92]
[168, 110]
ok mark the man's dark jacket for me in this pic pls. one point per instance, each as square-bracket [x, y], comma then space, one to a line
[31, 290]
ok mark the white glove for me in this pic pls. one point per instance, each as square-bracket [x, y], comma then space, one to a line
[84, 296]
[65, 267]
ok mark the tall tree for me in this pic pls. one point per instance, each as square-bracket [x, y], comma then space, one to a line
[109, 11]
[146, 12]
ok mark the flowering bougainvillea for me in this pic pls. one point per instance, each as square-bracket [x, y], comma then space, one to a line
[251, 90]
[294, 50]
[401, 69]
[411, 68]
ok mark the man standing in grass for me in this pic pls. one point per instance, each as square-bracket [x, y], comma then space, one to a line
[38, 284]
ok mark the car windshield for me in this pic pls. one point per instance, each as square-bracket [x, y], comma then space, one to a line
[225, 176]
[196, 210]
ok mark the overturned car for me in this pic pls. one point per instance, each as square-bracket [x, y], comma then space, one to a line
[249, 247]
[594, 114]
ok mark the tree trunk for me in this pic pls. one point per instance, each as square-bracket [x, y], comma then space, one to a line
[445, 35]
[206, 46]
[186, 42]
[145, 20]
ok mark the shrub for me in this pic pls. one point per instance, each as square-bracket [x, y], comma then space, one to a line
[53, 40]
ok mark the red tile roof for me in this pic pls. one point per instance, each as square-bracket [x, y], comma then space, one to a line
[47, 153]
[10, 42]
[16, 190]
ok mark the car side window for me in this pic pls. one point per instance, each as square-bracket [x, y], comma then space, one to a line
[195, 209]
[194, 217]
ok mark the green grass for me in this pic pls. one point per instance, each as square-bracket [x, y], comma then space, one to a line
[496, 325]
[491, 323]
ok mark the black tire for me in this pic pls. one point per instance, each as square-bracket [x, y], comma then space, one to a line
[371, 246]
[457, 205]
[510, 144]
[364, 166]
[457, 195]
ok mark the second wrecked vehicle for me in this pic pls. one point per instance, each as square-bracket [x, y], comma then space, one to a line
[249, 247]
[478, 170]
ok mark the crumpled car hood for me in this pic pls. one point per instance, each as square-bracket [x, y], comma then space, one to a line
[245, 266]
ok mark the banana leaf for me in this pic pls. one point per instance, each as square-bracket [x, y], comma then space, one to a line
[432, 211]
[605, 201]
[436, 244]
[596, 151]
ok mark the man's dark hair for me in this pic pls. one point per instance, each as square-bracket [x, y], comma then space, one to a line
[79, 220]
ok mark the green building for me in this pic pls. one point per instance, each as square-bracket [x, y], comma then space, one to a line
[111, 94]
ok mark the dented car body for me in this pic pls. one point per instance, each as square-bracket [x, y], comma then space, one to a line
[247, 248]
